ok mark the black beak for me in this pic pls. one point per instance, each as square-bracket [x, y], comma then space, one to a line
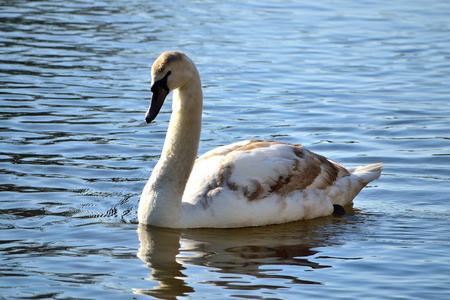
[159, 95]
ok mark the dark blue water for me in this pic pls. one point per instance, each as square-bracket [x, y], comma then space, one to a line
[359, 82]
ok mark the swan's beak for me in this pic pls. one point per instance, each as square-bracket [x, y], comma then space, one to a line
[158, 97]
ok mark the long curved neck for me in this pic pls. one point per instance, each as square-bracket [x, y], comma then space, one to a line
[183, 135]
[161, 199]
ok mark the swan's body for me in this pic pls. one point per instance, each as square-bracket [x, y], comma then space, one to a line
[249, 183]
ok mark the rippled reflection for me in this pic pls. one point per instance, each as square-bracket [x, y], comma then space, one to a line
[239, 258]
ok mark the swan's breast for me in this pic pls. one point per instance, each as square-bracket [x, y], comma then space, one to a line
[254, 170]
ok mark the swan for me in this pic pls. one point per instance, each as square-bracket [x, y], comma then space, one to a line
[247, 183]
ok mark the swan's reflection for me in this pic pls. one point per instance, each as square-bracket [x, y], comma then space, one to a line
[159, 249]
[260, 252]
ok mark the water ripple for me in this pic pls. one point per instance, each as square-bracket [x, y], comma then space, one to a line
[359, 82]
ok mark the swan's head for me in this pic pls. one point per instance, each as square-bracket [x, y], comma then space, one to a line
[170, 71]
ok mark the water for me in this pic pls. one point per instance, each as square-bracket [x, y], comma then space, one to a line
[357, 81]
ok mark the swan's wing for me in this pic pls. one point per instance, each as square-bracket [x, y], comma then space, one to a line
[256, 169]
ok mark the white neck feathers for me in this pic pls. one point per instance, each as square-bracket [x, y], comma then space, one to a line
[161, 199]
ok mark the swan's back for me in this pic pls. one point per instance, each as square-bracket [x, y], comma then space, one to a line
[264, 182]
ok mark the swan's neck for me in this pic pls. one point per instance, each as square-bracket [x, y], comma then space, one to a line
[160, 202]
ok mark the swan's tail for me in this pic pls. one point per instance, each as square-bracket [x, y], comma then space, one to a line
[345, 189]
[369, 172]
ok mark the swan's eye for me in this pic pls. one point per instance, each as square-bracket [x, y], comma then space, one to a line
[162, 83]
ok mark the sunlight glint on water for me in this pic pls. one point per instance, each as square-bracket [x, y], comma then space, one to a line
[359, 82]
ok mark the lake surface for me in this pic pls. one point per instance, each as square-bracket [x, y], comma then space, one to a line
[357, 81]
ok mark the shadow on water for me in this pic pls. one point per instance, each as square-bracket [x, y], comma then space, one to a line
[237, 255]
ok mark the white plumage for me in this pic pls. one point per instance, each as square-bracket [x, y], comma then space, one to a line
[249, 183]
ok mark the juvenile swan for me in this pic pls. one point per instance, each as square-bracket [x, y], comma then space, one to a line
[249, 183]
